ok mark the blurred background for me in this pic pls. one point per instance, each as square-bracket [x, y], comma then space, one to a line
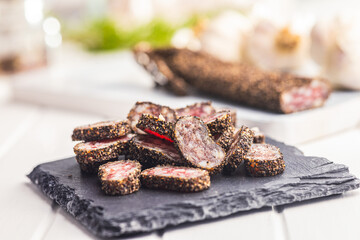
[67, 63]
[76, 54]
[286, 35]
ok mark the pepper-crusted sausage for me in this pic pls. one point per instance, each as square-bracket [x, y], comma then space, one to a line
[181, 179]
[263, 160]
[156, 110]
[90, 155]
[101, 131]
[240, 145]
[120, 177]
[151, 151]
[156, 126]
[245, 84]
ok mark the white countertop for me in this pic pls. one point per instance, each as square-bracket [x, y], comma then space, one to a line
[31, 134]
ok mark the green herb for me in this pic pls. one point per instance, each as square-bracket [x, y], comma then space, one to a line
[104, 34]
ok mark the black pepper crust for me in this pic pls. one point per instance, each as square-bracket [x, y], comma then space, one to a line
[240, 145]
[225, 139]
[90, 159]
[218, 122]
[151, 151]
[124, 186]
[157, 125]
[179, 145]
[101, 130]
[91, 167]
[265, 168]
[162, 75]
[240, 83]
[173, 183]
[150, 108]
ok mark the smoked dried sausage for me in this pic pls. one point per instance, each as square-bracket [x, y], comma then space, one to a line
[120, 177]
[181, 179]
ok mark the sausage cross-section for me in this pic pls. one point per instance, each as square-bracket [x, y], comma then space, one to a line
[101, 130]
[152, 151]
[182, 179]
[193, 140]
[90, 155]
[120, 177]
[156, 126]
[218, 122]
[264, 160]
[156, 110]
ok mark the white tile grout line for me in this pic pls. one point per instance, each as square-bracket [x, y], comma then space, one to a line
[279, 224]
[19, 132]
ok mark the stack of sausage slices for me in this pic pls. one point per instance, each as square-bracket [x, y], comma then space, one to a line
[172, 149]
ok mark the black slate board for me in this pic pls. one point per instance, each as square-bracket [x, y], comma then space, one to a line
[149, 210]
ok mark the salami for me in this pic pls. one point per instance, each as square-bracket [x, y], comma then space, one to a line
[218, 122]
[240, 145]
[245, 84]
[201, 110]
[259, 137]
[90, 155]
[264, 160]
[181, 179]
[224, 139]
[162, 75]
[120, 177]
[101, 130]
[193, 140]
[152, 151]
[157, 127]
[156, 110]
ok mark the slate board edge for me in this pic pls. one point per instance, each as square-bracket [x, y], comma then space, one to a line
[153, 219]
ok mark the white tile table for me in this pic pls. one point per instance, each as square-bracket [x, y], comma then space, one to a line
[32, 134]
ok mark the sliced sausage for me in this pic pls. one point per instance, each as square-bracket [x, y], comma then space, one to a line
[157, 127]
[101, 131]
[181, 179]
[218, 122]
[152, 151]
[90, 155]
[120, 177]
[156, 110]
[263, 160]
[240, 145]
[225, 139]
[193, 139]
